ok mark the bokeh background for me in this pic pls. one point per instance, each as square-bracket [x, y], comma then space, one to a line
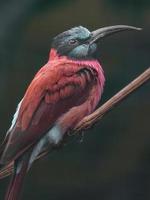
[113, 161]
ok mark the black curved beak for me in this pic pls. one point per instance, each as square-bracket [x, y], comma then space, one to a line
[109, 30]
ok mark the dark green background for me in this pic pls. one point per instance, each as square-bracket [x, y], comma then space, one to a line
[113, 161]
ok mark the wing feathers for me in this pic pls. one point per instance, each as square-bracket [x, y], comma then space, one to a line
[51, 93]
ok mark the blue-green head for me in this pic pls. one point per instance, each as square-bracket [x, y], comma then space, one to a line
[80, 43]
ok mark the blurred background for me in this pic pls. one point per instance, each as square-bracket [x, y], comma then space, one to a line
[113, 161]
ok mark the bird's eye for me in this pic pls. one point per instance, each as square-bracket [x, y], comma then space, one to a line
[73, 41]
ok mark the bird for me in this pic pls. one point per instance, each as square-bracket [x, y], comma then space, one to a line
[64, 91]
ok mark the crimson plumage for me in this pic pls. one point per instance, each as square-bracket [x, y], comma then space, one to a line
[60, 86]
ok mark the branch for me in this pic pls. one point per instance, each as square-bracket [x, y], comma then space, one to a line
[96, 116]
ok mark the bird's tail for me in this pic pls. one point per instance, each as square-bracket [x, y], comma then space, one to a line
[16, 183]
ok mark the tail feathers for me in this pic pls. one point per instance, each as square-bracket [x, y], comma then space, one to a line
[16, 183]
[14, 189]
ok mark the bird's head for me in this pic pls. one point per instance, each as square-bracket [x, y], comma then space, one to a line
[80, 43]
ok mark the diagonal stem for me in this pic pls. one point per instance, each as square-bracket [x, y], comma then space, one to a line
[96, 116]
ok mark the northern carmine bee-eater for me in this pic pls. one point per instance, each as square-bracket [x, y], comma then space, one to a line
[65, 90]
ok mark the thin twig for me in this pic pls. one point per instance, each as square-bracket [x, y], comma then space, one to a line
[96, 116]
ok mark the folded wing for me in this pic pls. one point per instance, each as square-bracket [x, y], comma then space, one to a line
[52, 93]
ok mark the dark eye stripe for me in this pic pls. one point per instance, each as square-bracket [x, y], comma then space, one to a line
[73, 41]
